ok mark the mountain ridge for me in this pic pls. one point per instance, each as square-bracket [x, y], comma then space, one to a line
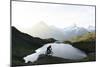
[43, 30]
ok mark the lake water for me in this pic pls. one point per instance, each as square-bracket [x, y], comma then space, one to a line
[62, 50]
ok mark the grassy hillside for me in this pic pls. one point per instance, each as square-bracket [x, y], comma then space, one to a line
[90, 36]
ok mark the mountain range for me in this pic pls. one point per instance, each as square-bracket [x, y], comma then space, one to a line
[43, 30]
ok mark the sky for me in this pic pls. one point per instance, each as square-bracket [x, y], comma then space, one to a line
[26, 14]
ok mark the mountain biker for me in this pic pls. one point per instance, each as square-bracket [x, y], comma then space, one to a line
[49, 50]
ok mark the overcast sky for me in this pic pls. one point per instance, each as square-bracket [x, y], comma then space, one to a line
[26, 14]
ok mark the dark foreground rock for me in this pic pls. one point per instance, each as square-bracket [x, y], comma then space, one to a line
[44, 59]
